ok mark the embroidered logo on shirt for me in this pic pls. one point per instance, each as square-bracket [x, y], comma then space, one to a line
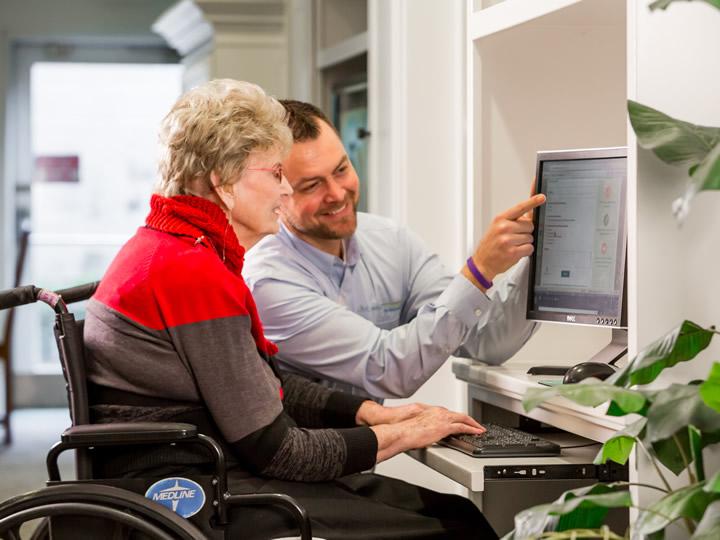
[182, 496]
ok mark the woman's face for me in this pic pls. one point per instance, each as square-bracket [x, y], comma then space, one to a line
[257, 196]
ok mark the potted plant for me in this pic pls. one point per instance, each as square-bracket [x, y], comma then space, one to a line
[671, 426]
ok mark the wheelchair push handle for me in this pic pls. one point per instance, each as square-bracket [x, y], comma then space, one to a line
[19, 296]
[58, 300]
[78, 293]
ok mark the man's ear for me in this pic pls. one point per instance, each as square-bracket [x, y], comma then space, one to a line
[224, 192]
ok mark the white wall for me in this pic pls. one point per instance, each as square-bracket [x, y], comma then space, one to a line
[676, 266]
[98, 21]
[416, 108]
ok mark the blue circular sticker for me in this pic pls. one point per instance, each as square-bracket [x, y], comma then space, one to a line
[182, 496]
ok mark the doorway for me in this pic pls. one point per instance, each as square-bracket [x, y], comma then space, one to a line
[84, 161]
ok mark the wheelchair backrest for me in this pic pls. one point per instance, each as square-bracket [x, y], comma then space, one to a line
[69, 339]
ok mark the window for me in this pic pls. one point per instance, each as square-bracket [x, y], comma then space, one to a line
[93, 155]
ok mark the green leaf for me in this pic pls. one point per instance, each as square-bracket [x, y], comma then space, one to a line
[590, 512]
[713, 484]
[707, 175]
[677, 142]
[677, 407]
[689, 502]
[709, 526]
[590, 392]
[703, 176]
[584, 507]
[618, 447]
[663, 4]
[673, 410]
[681, 344]
[672, 140]
[668, 453]
[710, 389]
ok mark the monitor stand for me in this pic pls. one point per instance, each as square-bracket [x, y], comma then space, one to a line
[611, 353]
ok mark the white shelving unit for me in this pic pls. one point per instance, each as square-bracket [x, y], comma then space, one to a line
[550, 74]
[341, 46]
[504, 15]
[542, 75]
[343, 51]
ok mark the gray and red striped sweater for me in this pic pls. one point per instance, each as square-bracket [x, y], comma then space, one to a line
[173, 334]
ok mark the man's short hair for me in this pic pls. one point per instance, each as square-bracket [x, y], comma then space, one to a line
[302, 118]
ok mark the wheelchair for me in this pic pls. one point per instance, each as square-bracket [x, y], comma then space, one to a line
[88, 507]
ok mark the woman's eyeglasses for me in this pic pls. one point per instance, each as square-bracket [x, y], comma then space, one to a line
[276, 170]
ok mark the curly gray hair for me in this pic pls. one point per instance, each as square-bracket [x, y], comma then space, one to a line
[214, 128]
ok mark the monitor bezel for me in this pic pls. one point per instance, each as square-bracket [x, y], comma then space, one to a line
[619, 321]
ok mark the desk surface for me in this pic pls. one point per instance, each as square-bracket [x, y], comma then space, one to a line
[505, 386]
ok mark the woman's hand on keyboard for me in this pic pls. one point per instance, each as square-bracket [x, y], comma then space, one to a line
[371, 413]
[427, 427]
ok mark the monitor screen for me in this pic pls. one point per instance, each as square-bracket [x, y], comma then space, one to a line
[577, 271]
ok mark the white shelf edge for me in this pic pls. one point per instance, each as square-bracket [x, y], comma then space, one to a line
[345, 50]
[510, 13]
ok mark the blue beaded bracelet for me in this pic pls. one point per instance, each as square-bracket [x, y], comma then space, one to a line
[482, 280]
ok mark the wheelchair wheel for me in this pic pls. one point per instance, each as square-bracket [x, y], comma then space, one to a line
[112, 505]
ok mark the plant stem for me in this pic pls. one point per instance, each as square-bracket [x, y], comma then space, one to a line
[695, 440]
[657, 468]
[649, 486]
[691, 476]
[688, 524]
[604, 532]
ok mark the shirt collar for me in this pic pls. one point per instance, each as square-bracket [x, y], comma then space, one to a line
[318, 257]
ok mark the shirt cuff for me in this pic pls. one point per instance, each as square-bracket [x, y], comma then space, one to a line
[465, 301]
[341, 408]
[362, 447]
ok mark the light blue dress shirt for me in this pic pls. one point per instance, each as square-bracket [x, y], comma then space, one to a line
[382, 321]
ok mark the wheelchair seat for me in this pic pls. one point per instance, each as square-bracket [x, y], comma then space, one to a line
[145, 505]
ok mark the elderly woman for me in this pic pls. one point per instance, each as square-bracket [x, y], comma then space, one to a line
[173, 334]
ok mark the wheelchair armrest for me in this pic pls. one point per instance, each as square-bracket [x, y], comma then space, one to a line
[298, 512]
[128, 433]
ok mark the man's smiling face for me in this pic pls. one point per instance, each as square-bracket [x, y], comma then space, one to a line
[322, 209]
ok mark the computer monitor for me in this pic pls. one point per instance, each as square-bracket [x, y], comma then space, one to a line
[577, 271]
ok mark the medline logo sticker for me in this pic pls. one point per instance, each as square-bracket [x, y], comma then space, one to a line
[182, 496]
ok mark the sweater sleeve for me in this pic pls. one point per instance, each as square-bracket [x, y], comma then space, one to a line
[312, 405]
[283, 450]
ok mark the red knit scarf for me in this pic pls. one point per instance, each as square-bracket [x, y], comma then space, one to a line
[203, 220]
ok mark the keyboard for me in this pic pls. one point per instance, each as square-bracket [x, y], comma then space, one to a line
[501, 441]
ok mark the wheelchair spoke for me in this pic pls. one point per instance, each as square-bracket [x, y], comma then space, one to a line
[12, 534]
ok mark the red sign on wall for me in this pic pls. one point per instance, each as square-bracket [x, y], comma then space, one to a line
[57, 169]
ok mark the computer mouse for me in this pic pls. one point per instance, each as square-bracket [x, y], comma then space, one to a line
[578, 372]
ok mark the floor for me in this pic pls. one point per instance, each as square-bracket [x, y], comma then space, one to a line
[22, 464]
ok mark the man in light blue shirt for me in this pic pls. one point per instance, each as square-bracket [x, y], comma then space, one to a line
[361, 303]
